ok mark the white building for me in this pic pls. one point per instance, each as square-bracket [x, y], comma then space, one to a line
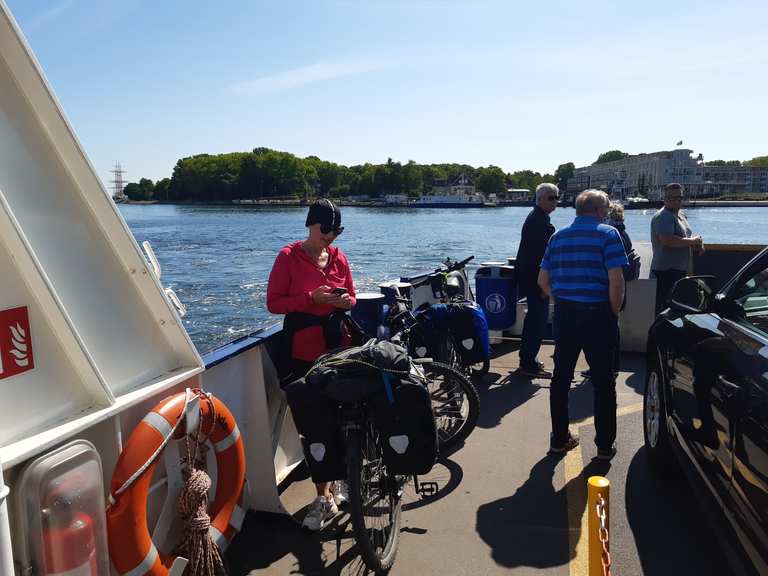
[647, 174]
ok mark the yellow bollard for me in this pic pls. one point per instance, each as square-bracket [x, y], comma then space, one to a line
[596, 486]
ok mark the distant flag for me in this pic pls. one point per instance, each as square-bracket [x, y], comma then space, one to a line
[679, 143]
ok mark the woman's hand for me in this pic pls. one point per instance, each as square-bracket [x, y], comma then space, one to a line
[344, 302]
[322, 295]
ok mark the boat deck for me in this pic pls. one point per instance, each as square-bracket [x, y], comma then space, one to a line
[505, 507]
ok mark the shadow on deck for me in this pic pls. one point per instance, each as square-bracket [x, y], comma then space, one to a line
[505, 506]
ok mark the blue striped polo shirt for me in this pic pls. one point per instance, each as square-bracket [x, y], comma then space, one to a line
[578, 258]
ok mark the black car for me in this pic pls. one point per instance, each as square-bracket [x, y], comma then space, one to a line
[706, 396]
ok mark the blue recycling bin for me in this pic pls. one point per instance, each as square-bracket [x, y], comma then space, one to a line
[496, 289]
[369, 311]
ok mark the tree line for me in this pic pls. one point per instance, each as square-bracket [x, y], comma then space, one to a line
[265, 173]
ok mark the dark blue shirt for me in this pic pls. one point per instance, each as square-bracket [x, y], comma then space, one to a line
[536, 232]
[578, 259]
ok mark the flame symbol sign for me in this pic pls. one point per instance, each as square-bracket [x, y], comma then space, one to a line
[19, 343]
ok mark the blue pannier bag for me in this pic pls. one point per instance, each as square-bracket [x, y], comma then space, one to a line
[469, 328]
[426, 340]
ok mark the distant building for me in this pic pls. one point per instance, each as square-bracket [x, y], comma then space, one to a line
[640, 175]
[719, 180]
[647, 174]
[461, 185]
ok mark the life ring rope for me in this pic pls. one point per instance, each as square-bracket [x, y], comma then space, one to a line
[208, 420]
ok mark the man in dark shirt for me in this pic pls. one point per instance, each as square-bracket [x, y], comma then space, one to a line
[533, 242]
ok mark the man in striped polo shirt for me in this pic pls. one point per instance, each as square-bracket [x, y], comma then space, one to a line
[582, 270]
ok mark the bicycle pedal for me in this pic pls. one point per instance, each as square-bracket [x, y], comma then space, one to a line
[427, 489]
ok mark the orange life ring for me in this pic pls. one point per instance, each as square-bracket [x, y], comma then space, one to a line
[130, 544]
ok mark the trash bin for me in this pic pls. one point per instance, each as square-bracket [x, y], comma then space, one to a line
[496, 288]
[369, 311]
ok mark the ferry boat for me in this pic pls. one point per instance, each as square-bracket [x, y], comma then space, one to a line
[460, 193]
[91, 343]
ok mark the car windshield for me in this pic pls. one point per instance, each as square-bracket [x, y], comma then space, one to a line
[752, 296]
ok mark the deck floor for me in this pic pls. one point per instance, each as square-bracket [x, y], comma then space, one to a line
[505, 507]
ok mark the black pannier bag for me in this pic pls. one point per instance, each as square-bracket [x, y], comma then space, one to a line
[428, 337]
[403, 416]
[317, 420]
[353, 373]
[470, 331]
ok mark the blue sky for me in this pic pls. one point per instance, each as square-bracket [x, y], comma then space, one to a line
[518, 85]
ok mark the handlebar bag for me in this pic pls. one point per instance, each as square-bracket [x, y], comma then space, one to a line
[469, 328]
[403, 416]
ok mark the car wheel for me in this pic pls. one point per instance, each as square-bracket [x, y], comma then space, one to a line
[655, 428]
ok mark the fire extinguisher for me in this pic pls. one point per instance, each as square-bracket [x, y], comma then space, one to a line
[69, 546]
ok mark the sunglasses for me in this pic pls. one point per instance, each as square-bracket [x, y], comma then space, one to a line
[674, 197]
[325, 229]
[553, 198]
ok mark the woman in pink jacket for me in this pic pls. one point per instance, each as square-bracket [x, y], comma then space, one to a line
[312, 285]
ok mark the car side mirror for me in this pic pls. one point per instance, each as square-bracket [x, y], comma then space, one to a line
[693, 295]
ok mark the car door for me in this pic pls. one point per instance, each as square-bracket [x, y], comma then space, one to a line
[699, 407]
[747, 328]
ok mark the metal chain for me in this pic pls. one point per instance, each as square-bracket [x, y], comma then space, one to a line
[603, 534]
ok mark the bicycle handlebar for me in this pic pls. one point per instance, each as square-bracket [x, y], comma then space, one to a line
[456, 265]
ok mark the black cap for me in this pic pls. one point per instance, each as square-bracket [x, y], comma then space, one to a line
[324, 212]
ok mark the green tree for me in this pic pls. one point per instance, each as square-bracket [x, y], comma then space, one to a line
[563, 173]
[610, 156]
[161, 189]
[723, 163]
[757, 161]
[491, 180]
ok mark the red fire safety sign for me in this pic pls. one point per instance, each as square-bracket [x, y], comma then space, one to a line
[15, 342]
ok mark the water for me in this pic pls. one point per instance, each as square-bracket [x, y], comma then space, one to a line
[218, 258]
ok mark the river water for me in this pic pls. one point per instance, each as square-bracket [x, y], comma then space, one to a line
[218, 258]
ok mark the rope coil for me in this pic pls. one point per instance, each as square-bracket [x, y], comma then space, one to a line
[198, 546]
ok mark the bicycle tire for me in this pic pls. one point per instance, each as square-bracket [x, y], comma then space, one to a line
[453, 424]
[364, 456]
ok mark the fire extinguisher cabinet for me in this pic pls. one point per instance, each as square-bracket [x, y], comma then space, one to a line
[62, 496]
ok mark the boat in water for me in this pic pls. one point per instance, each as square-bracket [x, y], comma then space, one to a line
[460, 193]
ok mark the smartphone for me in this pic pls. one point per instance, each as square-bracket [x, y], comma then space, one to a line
[339, 291]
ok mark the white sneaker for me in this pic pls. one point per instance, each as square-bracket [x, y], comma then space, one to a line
[321, 511]
[340, 493]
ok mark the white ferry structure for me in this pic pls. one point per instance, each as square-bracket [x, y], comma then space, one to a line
[460, 193]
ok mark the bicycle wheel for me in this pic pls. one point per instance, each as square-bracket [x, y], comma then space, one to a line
[375, 501]
[454, 401]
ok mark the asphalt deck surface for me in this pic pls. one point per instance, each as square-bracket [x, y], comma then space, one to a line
[505, 507]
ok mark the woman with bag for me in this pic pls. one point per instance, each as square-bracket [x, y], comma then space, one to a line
[311, 283]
